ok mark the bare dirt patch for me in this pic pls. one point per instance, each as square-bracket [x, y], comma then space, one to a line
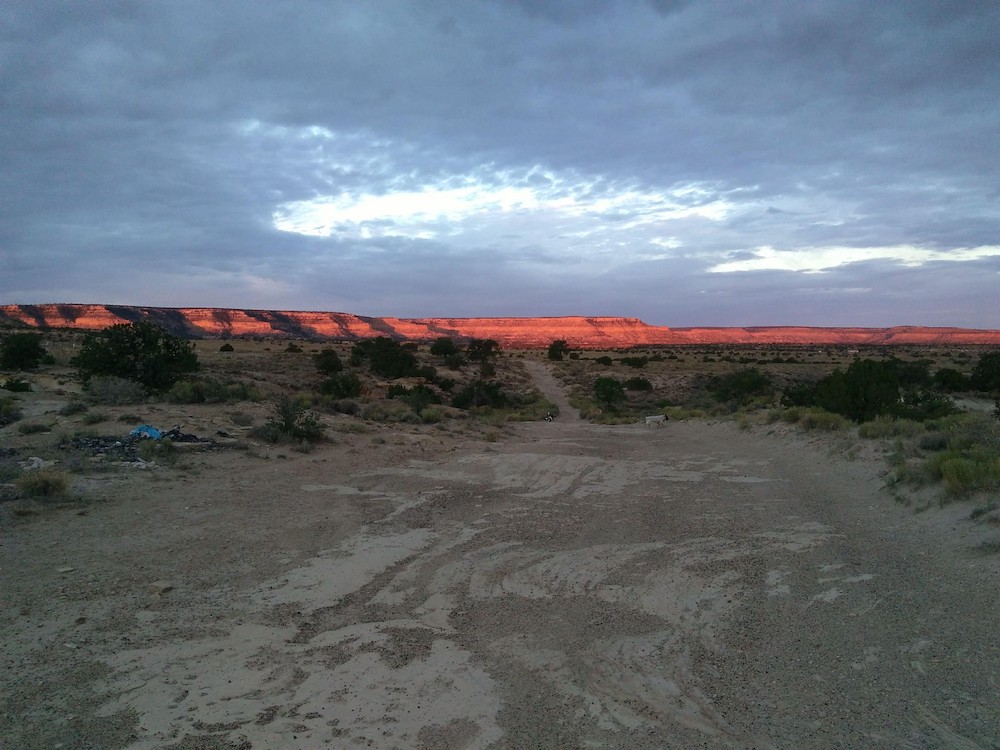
[566, 585]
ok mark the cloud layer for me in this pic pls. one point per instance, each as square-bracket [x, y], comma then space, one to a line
[697, 162]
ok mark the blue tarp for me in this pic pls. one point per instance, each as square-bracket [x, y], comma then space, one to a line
[146, 431]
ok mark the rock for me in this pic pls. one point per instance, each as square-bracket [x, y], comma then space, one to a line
[33, 463]
[160, 587]
[65, 570]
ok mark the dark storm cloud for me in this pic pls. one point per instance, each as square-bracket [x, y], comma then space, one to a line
[495, 157]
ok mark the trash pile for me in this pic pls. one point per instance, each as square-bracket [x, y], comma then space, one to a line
[127, 448]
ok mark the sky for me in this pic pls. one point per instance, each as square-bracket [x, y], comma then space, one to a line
[686, 162]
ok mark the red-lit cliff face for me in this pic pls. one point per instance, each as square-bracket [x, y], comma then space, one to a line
[526, 333]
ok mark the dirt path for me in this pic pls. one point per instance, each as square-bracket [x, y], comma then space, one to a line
[552, 389]
[593, 587]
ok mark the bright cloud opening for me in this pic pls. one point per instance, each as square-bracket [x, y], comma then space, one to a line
[473, 205]
[817, 260]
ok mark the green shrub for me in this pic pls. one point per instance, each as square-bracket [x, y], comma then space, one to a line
[482, 350]
[741, 386]
[291, 422]
[866, 389]
[386, 357]
[950, 380]
[293, 349]
[9, 471]
[635, 361]
[480, 393]
[42, 483]
[418, 398]
[340, 406]
[986, 374]
[94, 417]
[22, 351]
[161, 451]
[981, 510]
[920, 404]
[965, 471]
[934, 441]
[73, 407]
[455, 361]
[16, 385]
[10, 412]
[884, 427]
[341, 386]
[558, 349]
[114, 391]
[432, 414]
[822, 420]
[241, 419]
[227, 347]
[141, 352]
[609, 391]
[605, 360]
[444, 347]
[328, 362]
[638, 384]
[382, 412]
[32, 428]
[209, 391]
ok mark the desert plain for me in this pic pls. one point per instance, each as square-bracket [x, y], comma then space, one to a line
[483, 584]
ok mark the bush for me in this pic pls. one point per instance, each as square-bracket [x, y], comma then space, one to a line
[635, 361]
[865, 390]
[432, 414]
[609, 391]
[209, 391]
[32, 428]
[455, 361]
[342, 385]
[950, 380]
[73, 407]
[605, 360]
[43, 483]
[293, 349]
[227, 347]
[444, 347]
[385, 357]
[741, 386]
[341, 406]
[381, 412]
[935, 441]
[291, 422]
[986, 374]
[418, 398]
[920, 404]
[141, 352]
[161, 451]
[480, 393]
[328, 362]
[22, 351]
[558, 349]
[16, 385]
[822, 420]
[965, 471]
[482, 350]
[638, 384]
[884, 427]
[114, 391]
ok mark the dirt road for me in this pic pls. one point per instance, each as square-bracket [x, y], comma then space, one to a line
[573, 586]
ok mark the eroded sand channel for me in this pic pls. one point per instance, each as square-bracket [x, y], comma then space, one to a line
[576, 586]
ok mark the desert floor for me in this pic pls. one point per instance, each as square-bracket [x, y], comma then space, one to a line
[561, 585]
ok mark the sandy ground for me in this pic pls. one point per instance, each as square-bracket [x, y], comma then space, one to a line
[568, 586]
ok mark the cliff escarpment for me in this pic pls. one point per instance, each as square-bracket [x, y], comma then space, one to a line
[527, 333]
